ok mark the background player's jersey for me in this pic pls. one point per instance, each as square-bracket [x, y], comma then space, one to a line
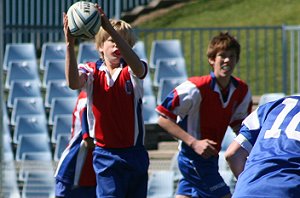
[114, 105]
[199, 108]
[271, 134]
[75, 166]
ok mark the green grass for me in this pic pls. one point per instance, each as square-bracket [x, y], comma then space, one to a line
[225, 13]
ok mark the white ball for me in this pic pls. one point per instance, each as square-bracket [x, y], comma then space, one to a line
[84, 19]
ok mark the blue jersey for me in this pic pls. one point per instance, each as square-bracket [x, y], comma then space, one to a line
[271, 134]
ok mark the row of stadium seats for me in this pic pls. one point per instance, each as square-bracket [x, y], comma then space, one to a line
[20, 60]
[23, 67]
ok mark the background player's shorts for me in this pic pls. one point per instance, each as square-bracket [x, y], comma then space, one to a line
[121, 173]
[200, 180]
[67, 191]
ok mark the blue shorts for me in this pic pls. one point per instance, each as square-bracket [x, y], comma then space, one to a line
[121, 173]
[200, 178]
[68, 191]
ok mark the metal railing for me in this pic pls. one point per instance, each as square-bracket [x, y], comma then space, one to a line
[260, 63]
[291, 58]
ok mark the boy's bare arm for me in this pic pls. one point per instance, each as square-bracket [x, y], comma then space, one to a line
[127, 52]
[205, 148]
[236, 157]
[73, 78]
[174, 130]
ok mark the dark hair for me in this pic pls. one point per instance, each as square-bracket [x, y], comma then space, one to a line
[223, 41]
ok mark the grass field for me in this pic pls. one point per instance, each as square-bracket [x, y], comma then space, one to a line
[219, 13]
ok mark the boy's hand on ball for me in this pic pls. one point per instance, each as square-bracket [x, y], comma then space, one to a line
[104, 20]
[68, 36]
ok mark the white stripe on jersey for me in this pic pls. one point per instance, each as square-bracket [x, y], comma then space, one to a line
[244, 142]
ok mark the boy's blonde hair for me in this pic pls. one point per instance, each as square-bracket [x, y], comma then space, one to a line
[123, 28]
[223, 41]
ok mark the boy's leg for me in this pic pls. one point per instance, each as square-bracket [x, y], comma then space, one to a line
[84, 191]
[201, 180]
[116, 170]
[139, 162]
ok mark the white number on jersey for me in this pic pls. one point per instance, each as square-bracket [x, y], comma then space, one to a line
[291, 132]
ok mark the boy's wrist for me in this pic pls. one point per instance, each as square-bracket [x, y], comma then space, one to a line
[192, 142]
[70, 43]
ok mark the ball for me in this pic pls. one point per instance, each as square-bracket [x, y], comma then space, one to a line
[84, 19]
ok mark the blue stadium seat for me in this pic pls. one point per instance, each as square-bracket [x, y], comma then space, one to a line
[268, 97]
[161, 184]
[18, 52]
[61, 144]
[228, 138]
[6, 122]
[58, 89]
[8, 155]
[224, 169]
[10, 188]
[34, 161]
[169, 68]
[22, 89]
[61, 106]
[149, 113]
[52, 51]
[55, 70]
[32, 143]
[166, 85]
[39, 184]
[25, 70]
[140, 50]
[30, 124]
[87, 52]
[61, 126]
[27, 106]
[164, 49]
[147, 84]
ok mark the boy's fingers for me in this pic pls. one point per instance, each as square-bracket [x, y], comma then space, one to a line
[99, 8]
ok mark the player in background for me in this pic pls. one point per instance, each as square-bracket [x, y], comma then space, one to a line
[198, 112]
[75, 176]
[265, 156]
[114, 87]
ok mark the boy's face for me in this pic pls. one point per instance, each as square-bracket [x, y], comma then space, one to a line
[224, 63]
[110, 52]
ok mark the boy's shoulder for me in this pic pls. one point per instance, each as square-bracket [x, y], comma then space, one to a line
[239, 82]
[200, 81]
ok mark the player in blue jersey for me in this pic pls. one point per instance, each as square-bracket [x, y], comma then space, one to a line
[114, 86]
[265, 156]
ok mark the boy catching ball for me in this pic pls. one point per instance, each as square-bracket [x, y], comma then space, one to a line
[114, 86]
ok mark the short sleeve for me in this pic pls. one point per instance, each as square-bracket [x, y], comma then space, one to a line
[183, 100]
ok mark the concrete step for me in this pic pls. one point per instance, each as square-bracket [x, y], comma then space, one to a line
[159, 164]
[161, 154]
[173, 145]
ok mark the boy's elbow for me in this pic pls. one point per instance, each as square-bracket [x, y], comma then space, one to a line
[231, 152]
[72, 86]
[228, 156]
[75, 84]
